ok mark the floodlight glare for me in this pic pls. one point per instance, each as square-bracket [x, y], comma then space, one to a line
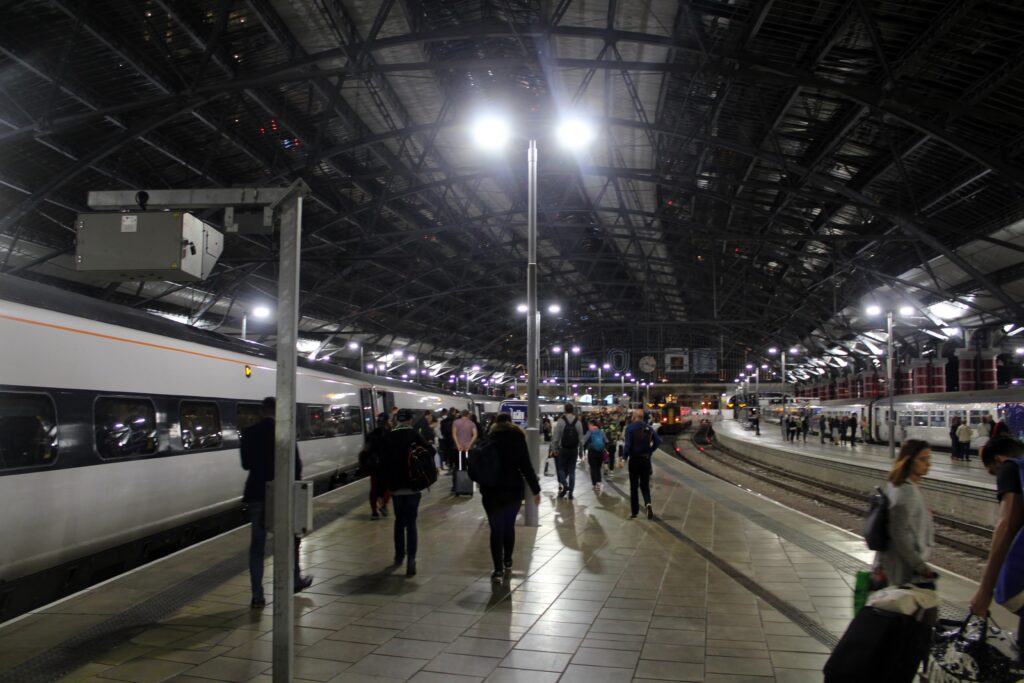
[556, 349]
[353, 345]
[575, 133]
[522, 308]
[593, 366]
[491, 132]
[575, 349]
[874, 310]
[261, 312]
[554, 308]
[906, 310]
[773, 350]
[793, 349]
[475, 368]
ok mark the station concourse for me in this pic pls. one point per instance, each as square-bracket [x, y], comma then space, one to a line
[722, 586]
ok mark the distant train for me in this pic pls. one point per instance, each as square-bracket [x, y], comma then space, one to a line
[116, 426]
[675, 418]
[918, 416]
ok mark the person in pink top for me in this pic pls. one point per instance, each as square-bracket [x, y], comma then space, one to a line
[464, 433]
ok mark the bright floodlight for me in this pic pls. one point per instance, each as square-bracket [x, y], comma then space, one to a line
[593, 366]
[906, 310]
[773, 350]
[575, 133]
[522, 308]
[575, 349]
[874, 310]
[369, 366]
[491, 132]
[554, 308]
[794, 350]
[750, 366]
[476, 368]
[556, 349]
[606, 366]
[411, 357]
[353, 345]
[261, 312]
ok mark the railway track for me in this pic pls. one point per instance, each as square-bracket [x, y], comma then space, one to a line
[968, 538]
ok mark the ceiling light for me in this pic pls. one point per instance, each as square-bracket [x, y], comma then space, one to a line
[353, 345]
[554, 308]
[874, 310]
[491, 132]
[906, 310]
[522, 308]
[948, 310]
[575, 133]
[261, 312]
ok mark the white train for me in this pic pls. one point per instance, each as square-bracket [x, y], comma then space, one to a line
[918, 416]
[117, 425]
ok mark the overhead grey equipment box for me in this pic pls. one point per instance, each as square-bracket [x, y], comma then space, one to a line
[147, 245]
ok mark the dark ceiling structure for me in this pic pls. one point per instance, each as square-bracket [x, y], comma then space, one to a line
[761, 166]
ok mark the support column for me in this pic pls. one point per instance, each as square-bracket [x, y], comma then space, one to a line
[988, 377]
[968, 376]
[921, 370]
[871, 387]
[937, 383]
[905, 376]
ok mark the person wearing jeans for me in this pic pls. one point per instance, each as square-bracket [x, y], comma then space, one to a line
[594, 443]
[641, 442]
[257, 453]
[404, 500]
[503, 498]
[565, 440]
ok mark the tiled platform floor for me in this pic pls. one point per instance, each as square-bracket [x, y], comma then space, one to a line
[868, 455]
[724, 587]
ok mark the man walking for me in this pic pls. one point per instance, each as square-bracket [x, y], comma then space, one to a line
[465, 434]
[405, 500]
[257, 451]
[1000, 459]
[566, 439]
[641, 442]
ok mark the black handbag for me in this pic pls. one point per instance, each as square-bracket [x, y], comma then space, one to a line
[876, 525]
[974, 650]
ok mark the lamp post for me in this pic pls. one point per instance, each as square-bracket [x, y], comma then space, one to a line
[260, 312]
[494, 133]
[889, 379]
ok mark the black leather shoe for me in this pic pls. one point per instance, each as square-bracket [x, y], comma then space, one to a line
[303, 583]
[258, 603]
[650, 511]
[410, 569]
[399, 559]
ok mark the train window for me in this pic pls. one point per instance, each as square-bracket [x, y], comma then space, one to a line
[200, 425]
[938, 418]
[920, 418]
[28, 430]
[125, 426]
[315, 426]
[904, 419]
[247, 414]
[976, 416]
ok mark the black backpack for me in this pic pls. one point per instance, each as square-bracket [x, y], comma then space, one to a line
[876, 524]
[485, 463]
[422, 472]
[641, 445]
[570, 437]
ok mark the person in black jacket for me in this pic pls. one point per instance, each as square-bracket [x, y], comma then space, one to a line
[405, 501]
[369, 464]
[257, 451]
[501, 502]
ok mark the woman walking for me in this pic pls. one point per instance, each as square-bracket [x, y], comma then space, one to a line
[911, 531]
[502, 501]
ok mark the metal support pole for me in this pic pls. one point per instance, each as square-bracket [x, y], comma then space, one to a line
[567, 375]
[284, 435]
[245, 321]
[892, 387]
[362, 366]
[600, 395]
[531, 514]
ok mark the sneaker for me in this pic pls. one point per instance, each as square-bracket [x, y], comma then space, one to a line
[497, 576]
[508, 565]
[650, 511]
[383, 510]
[258, 603]
[375, 515]
[303, 583]
[410, 569]
[561, 491]
[569, 495]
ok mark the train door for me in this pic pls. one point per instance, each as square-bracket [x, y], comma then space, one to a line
[366, 399]
[388, 397]
[479, 407]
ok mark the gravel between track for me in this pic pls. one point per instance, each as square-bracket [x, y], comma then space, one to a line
[942, 557]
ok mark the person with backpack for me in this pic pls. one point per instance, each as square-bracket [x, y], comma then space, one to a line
[1001, 458]
[566, 438]
[407, 467]
[595, 443]
[911, 530]
[369, 464]
[499, 464]
[641, 442]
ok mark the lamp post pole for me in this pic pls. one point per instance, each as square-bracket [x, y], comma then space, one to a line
[622, 385]
[891, 387]
[600, 395]
[531, 516]
[245, 323]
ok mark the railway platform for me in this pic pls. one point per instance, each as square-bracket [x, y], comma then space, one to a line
[722, 586]
[962, 490]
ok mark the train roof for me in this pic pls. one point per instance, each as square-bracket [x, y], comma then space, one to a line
[29, 293]
[1007, 394]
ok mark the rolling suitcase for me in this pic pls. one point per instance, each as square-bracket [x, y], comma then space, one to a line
[463, 484]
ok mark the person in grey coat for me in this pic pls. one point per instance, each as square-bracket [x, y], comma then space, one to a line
[911, 530]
